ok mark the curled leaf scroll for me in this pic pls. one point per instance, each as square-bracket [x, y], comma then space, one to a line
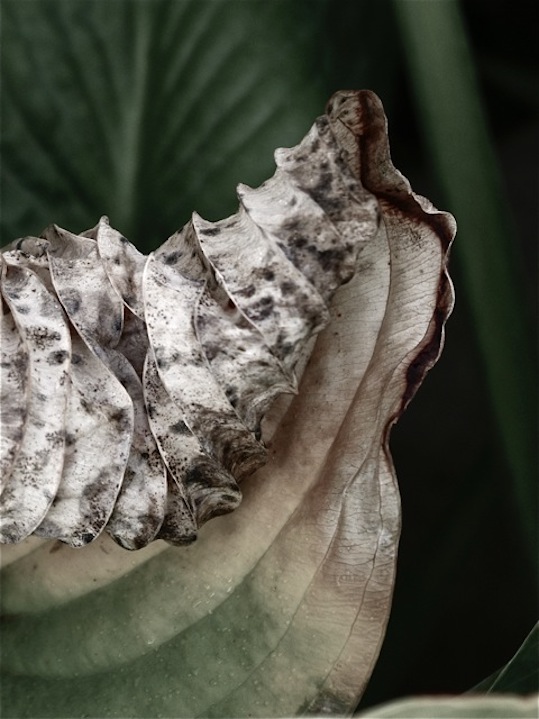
[175, 362]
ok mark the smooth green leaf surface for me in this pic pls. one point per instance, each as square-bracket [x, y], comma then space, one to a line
[521, 674]
[145, 111]
[457, 708]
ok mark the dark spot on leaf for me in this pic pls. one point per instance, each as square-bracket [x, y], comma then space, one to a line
[263, 308]
[179, 428]
[232, 395]
[162, 363]
[57, 357]
[211, 231]
[211, 351]
[287, 287]
[329, 260]
[121, 418]
[172, 257]
[197, 475]
[291, 225]
[268, 274]
[248, 291]
[283, 347]
[71, 300]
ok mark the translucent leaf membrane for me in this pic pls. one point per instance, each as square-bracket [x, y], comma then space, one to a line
[280, 607]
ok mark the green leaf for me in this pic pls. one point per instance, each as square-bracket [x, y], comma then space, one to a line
[521, 674]
[453, 119]
[145, 111]
[457, 708]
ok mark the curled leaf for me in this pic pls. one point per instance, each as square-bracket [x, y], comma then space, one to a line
[33, 477]
[280, 607]
[224, 312]
[96, 452]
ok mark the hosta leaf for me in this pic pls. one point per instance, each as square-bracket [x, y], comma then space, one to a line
[13, 379]
[130, 109]
[520, 674]
[488, 707]
[96, 452]
[34, 475]
[280, 607]
[237, 289]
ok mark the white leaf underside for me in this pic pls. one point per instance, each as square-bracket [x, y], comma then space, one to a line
[166, 365]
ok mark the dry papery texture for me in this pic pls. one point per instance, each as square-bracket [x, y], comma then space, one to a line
[139, 392]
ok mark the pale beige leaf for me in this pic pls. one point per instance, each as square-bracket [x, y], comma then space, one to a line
[272, 293]
[83, 287]
[199, 487]
[124, 265]
[139, 508]
[251, 376]
[280, 607]
[14, 389]
[169, 300]
[35, 474]
[96, 452]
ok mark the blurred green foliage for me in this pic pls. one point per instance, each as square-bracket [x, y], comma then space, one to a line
[146, 111]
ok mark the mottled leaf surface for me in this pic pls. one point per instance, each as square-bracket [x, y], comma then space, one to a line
[224, 312]
[279, 608]
[35, 472]
[13, 379]
[96, 452]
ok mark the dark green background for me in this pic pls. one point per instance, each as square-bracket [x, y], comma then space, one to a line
[224, 83]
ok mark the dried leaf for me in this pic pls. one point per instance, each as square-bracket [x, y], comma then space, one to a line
[225, 311]
[14, 389]
[169, 300]
[124, 265]
[280, 607]
[139, 506]
[33, 478]
[97, 449]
